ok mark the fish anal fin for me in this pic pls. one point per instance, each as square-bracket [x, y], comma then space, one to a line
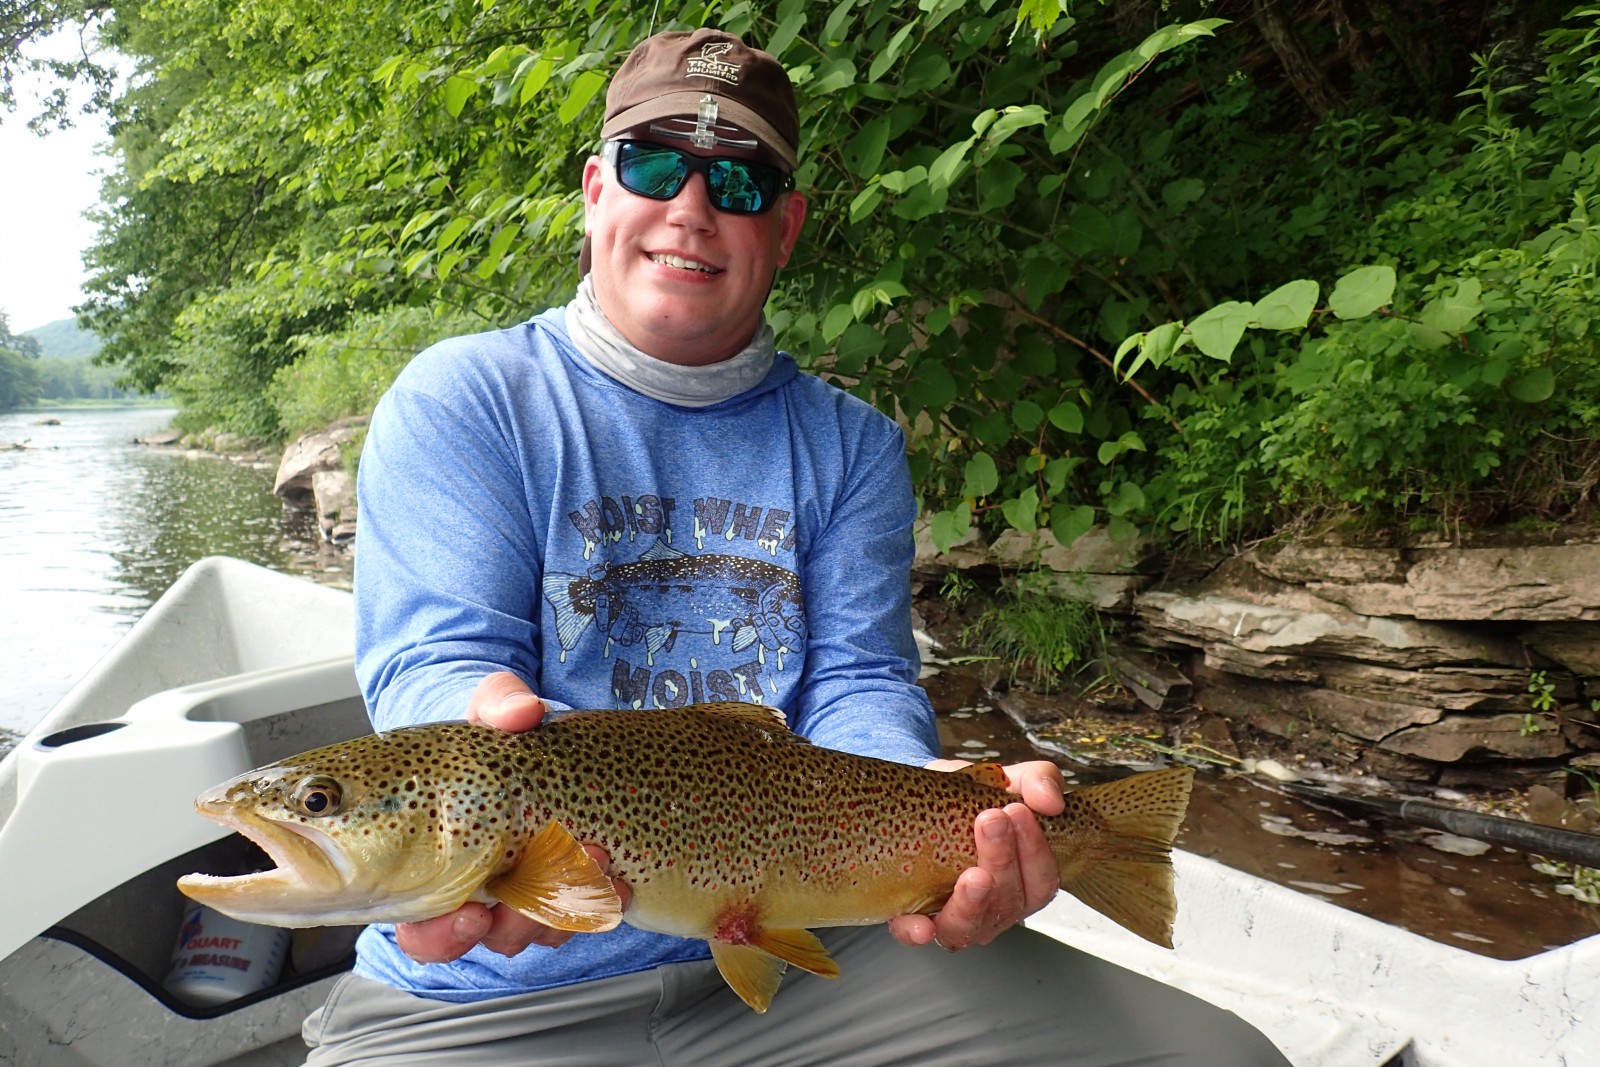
[799, 947]
[1113, 845]
[750, 972]
[559, 884]
[987, 773]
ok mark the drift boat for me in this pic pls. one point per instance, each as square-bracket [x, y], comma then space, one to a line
[237, 666]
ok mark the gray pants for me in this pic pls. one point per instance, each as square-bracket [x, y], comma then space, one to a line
[1024, 1000]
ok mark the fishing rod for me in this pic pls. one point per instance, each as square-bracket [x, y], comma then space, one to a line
[1552, 842]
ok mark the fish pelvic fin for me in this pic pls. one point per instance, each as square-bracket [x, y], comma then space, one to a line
[799, 947]
[1114, 848]
[559, 884]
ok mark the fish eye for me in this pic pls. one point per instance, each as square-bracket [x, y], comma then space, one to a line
[318, 797]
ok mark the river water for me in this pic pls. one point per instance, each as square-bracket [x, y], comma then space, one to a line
[93, 528]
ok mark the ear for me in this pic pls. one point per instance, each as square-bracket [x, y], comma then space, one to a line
[593, 182]
[794, 218]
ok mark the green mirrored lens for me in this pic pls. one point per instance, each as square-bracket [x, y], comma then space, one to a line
[740, 186]
[736, 186]
[656, 173]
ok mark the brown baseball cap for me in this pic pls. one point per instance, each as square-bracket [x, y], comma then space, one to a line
[668, 76]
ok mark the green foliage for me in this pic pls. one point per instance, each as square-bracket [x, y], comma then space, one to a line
[1456, 380]
[344, 373]
[1002, 195]
[19, 380]
[1044, 637]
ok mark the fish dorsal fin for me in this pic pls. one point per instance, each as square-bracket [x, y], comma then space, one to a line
[762, 715]
[559, 884]
[661, 551]
[987, 773]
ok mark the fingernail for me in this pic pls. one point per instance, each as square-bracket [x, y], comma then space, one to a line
[995, 827]
[467, 930]
[977, 893]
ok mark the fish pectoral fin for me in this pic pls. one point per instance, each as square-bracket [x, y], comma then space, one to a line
[799, 947]
[751, 972]
[559, 884]
[987, 773]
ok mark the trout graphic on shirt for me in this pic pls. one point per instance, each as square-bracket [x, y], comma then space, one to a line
[667, 592]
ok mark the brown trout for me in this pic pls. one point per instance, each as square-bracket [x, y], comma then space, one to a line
[723, 824]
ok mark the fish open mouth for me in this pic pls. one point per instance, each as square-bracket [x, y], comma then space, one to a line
[307, 870]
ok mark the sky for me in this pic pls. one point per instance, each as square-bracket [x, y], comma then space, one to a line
[46, 184]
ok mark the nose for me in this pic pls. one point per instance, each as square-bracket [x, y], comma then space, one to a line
[692, 206]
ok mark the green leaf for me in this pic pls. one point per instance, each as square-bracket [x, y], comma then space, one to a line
[948, 527]
[1070, 523]
[1179, 194]
[452, 232]
[584, 88]
[1027, 415]
[863, 153]
[834, 323]
[932, 390]
[1217, 331]
[1289, 306]
[1022, 512]
[951, 162]
[891, 52]
[1535, 387]
[1453, 314]
[1362, 291]
[983, 477]
[866, 202]
[1013, 119]
[457, 91]
[786, 32]
[835, 74]
[1067, 417]
[537, 78]
[1127, 497]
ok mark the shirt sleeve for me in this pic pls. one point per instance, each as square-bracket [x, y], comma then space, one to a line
[860, 692]
[446, 557]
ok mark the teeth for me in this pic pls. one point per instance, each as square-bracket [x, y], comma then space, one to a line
[681, 263]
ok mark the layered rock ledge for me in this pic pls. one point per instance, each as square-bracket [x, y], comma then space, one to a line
[1455, 664]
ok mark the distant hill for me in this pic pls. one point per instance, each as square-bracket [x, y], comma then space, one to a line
[63, 339]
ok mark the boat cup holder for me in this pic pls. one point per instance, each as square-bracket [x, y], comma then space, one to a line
[73, 734]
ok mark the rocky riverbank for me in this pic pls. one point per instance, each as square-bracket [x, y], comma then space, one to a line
[1465, 664]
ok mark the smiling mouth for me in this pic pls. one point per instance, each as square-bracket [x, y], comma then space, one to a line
[668, 260]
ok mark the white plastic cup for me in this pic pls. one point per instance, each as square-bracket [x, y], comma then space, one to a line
[218, 959]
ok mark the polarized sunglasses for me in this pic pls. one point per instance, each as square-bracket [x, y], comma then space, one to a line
[657, 171]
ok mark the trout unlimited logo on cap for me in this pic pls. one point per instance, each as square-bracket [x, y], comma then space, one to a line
[709, 64]
[667, 77]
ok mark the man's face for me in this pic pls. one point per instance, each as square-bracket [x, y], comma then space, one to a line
[683, 281]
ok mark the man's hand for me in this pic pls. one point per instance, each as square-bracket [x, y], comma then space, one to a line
[1016, 873]
[501, 700]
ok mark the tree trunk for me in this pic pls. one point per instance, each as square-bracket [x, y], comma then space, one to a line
[1301, 70]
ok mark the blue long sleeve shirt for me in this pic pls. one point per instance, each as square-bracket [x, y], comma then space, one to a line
[522, 511]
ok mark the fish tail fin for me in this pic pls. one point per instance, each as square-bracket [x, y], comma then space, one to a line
[1114, 847]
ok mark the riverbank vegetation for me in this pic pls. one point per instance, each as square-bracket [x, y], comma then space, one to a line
[1202, 269]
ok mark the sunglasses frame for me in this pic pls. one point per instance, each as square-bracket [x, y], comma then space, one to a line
[612, 151]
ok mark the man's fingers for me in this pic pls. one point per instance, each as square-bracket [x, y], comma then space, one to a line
[446, 937]
[504, 700]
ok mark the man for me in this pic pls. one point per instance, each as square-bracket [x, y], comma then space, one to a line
[636, 501]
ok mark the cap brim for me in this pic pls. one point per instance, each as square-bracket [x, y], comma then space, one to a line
[687, 105]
